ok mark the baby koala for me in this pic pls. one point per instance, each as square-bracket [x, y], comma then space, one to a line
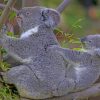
[84, 67]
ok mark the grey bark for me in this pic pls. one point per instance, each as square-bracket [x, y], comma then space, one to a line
[62, 6]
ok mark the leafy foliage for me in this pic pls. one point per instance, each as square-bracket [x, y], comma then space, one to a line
[69, 38]
[7, 92]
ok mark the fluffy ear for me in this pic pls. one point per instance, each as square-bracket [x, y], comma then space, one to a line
[97, 51]
[55, 17]
[52, 17]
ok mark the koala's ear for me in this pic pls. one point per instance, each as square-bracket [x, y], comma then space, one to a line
[55, 17]
[97, 51]
[51, 17]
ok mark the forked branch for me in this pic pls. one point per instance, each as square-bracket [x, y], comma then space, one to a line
[62, 6]
[2, 6]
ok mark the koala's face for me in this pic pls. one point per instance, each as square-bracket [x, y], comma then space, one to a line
[33, 16]
[91, 41]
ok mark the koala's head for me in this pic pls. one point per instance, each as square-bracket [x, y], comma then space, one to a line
[30, 17]
[91, 41]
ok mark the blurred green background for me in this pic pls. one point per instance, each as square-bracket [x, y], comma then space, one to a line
[75, 19]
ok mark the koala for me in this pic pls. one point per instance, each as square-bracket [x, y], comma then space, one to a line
[42, 73]
[84, 66]
[47, 69]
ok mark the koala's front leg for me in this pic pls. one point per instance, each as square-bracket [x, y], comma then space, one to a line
[14, 47]
[69, 55]
[10, 60]
[21, 60]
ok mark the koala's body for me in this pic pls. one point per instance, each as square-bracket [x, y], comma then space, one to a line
[45, 70]
[42, 72]
[85, 66]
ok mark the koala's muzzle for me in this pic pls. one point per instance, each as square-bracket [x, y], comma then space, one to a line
[83, 39]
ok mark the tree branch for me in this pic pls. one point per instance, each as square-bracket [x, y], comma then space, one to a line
[2, 6]
[62, 6]
[90, 92]
[5, 15]
[6, 11]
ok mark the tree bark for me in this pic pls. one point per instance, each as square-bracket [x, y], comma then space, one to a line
[62, 6]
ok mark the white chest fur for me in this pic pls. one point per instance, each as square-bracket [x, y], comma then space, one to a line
[29, 32]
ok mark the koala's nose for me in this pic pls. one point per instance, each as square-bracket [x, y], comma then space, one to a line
[83, 39]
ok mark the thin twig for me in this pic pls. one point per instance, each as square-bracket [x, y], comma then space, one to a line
[2, 6]
[62, 6]
[5, 15]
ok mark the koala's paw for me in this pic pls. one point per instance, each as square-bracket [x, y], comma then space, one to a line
[97, 52]
[27, 60]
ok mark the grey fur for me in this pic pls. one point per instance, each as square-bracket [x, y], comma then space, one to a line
[45, 71]
[43, 76]
[85, 66]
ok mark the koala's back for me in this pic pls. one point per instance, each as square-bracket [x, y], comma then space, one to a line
[85, 73]
[49, 68]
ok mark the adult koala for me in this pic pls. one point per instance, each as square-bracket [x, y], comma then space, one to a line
[41, 73]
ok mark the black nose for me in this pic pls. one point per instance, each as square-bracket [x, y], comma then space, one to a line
[83, 39]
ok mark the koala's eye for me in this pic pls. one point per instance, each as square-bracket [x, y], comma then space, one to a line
[28, 13]
[90, 41]
[18, 14]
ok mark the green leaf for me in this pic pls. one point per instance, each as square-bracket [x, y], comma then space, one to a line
[77, 49]
[75, 41]
[10, 34]
[5, 1]
[4, 66]
[12, 15]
